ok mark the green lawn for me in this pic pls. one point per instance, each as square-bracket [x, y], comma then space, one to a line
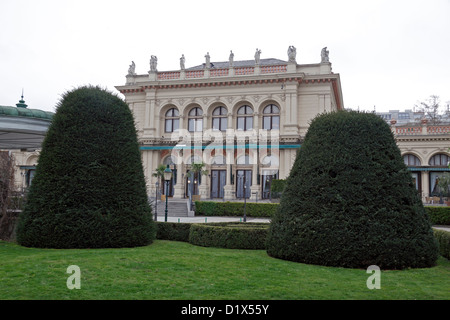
[177, 270]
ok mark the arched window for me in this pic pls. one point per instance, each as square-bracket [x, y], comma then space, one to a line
[440, 160]
[219, 119]
[271, 117]
[195, 120]
[411, 160]
[245, 118]
[172, 120]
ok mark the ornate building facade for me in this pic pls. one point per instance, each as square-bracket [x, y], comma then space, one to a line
[244, 120]
[425, 147]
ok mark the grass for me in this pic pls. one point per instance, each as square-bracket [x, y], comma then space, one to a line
[169, 270]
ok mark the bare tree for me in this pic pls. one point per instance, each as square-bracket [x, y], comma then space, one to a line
[430, 108]
[7, 221]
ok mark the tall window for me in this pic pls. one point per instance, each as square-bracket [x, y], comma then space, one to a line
[245, 118]
[219, 120]
[439, 160]
[195, 120]
[172, 120]
[271, 117]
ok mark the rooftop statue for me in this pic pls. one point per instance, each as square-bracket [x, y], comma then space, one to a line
[257, 56]
[231, 59]
[208, 60]
[324, 55]
[153, 63]
[182, 61]
[132, 69]
[292, 53]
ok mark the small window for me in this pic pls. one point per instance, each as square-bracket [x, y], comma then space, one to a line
[220, 120]
[271, 118]
[195, 120]
[172, 120]
[245, 118]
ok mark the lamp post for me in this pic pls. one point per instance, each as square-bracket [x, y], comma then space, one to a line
[167, 177]
[156, 200]
[245, 203]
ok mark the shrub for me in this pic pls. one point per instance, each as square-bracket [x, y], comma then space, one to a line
[351, 201]
[234, 209]
[175, 231]
[89, 189]
[443, 237]
[439, 215]
[228, 235]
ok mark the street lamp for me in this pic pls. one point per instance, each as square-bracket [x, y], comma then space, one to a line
[245, 203]
[167, 178]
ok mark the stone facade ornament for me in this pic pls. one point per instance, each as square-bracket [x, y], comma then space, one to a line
[231, 59]
[292, 53]
[324, 55]
[132, 69]
[208, 61]
[257, 56]
[182, 61]
[153, 64]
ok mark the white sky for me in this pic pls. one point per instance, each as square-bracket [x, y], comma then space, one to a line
[389, 53]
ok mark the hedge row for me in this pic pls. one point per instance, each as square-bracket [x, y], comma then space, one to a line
[439, 215]
[230, 235]
[443, 237]
[234, 209]
[239, 235]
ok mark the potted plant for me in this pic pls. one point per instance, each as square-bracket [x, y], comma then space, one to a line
[196, 170]
[444, 183]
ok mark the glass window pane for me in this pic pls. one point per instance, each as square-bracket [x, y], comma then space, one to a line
[199, 125]
[223, 124]
[191, 125]
[241, 110]
[169, 125]
[176, 124]
[216, 124]
[240, 123]
[249, 123]
[276, 122]
[266, 123]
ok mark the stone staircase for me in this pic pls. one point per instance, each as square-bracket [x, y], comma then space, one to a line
[175, 208]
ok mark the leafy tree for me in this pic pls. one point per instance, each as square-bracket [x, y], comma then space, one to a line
[89, 189]
[349, 200]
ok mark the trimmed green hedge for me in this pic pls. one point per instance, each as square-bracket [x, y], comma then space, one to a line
[234, 209]
[174, 231]
[443, 237]
[439, 215]
[235, 235]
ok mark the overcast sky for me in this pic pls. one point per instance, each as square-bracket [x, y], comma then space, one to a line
[389, 54]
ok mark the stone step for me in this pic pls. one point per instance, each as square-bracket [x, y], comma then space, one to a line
[175, 208]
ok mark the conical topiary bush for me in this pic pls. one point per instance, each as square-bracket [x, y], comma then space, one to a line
[89, 189]
[349, 200]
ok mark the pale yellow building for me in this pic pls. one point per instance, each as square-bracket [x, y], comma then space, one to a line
[244, 120]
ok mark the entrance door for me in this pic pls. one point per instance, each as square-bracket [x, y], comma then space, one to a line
[218, 181]
[243, 183]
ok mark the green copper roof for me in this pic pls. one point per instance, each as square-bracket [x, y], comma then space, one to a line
[25, 112]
